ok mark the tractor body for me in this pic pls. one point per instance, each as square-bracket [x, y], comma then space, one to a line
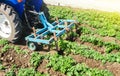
[15, 14]
[19, 5]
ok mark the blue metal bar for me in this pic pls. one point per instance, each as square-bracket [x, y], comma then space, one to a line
[69, 26]
[51, 40]
[61, 22]
[64, 30]
[49, 25]
[67, 20]
[43, 34]
[61, 26]
[55, 31]
[54, 23]
[41, 30]
[39, 40]
[50, 28]
[60, 33]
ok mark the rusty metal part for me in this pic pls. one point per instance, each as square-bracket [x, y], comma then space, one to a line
[67, 29]
[54, 36]
[34, 31]
[57, 20]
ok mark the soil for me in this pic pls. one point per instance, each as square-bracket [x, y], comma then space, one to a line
[43, 69]
[11, 58]
[22, 61]
[95, 47]
[112, 67]
[106, 38]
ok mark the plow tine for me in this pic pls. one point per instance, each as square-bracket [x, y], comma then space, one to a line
[34, 32]
[76, 22]
[54, 36]
[57, 20]
[66, 24]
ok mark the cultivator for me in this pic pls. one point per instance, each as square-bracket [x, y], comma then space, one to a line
[49, 32]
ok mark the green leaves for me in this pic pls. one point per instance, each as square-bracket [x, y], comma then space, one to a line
[2, 67]
[18, 50]
[85, 30]
[10, 73]
[60, 63]
[36, 58]
[83, 70]
[97, 41]
[106, 23]
[5, 48]
[90, 53]
[26, 72]
[68, 66]
[61, 12]
[3, 42]
[29, 72]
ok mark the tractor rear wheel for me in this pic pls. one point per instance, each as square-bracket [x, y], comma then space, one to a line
[10, 23]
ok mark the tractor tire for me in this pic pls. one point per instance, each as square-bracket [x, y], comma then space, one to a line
[11, 22]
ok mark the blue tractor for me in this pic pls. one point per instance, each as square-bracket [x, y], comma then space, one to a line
[16, 14]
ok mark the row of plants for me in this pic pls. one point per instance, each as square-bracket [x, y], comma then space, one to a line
[64, 64]
[85, 30]
[106, 23]
[36, 59]
[6, 47]
[1, 66]
[60, 63]
[75, 48]
[24, 72]
[69, 67]
[109, 46]
[87, 35]
[29, 72]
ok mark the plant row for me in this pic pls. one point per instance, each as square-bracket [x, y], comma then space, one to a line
[75, 48]
[69, 67]
[6, 47]
[109, 46]
[106, 23]
[25, 72]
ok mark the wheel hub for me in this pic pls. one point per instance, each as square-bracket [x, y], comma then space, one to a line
[5, 28]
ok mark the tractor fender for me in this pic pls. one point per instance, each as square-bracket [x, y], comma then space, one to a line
[37, 4]
[17, 6]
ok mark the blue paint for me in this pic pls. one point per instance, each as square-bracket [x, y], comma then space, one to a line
[49, 29]
[19, 7]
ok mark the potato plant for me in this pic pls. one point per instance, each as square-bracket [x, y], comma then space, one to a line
[2, 67]
[68, 66]
[60, 63]
[29, 72]
[10, 73]
[3, 42]
[35, 59]
[6, 48]
[106, 23]
[83, 50]
[99, 42]
[18, 50]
